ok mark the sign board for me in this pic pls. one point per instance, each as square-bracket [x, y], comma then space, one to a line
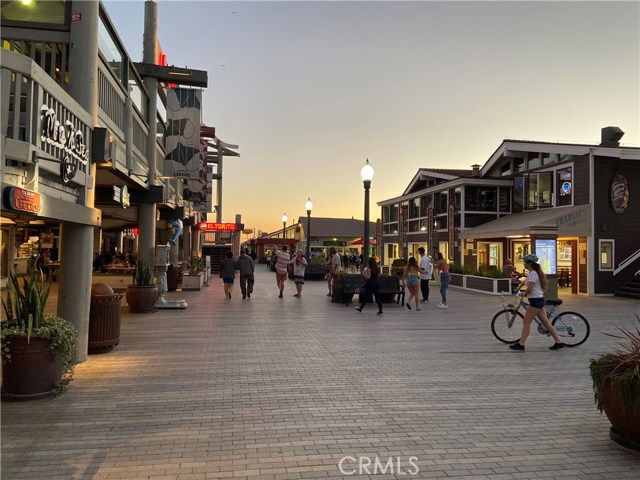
[23, 200]
[220, 227]
[122, 196]
[546, 252]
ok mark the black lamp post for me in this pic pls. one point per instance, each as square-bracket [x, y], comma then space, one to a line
[284, 229]
[308, 205]
[367, 175]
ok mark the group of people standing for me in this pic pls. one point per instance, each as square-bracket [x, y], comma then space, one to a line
[417, 276]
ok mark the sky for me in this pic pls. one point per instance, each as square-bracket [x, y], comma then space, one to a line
[310, 90]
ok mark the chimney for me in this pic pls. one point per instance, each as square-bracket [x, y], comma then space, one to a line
[610, 137]
[475, 170]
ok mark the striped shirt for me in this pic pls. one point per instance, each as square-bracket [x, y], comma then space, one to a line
[282, 262]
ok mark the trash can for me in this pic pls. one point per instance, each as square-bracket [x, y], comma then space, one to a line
[104, 319]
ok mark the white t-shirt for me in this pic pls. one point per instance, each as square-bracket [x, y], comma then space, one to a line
[425, 267]
[536, 291]
[336, 263]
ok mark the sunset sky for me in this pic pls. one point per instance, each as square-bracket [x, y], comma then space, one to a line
[310, 90]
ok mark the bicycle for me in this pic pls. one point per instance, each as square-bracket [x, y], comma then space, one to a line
[572, 328]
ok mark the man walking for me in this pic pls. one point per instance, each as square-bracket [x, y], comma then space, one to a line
[426, 269]
[246, 267]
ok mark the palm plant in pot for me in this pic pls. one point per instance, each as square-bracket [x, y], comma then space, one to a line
[143, 293]
[38, 352]
[616, 385]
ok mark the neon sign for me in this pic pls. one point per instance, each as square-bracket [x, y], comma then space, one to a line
[220, 227]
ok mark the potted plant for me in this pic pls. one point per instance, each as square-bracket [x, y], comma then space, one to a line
[195, 279]
[143, 293]
[38, 352]
[616, 385]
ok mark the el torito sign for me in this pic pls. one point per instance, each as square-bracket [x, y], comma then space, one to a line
[220, 227]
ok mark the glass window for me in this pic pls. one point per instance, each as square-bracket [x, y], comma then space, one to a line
[505, 199]
[548, 158]
[518, 194]
[440, 222]
[51, 12]
[136, 92]
[606, 254]
[426, 202]
[533, 160]
[480, 199]
[393, 213]
[564, 157]
[385, 214]
[456, 199]
[110, 51]
[440, 202]
[540, 189]
[505, 169]
[414, 225]
[414, 208]
[518, 165]
[564, 187]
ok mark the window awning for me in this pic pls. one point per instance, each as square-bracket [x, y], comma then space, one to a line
[566, 221]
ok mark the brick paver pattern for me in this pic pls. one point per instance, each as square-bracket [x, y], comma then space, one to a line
[269, 388]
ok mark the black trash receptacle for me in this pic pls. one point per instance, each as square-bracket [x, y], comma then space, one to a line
[104, 322]
[173, 275]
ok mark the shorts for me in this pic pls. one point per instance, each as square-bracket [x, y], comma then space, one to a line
[536, 302]
[228, 280]
[298, 279]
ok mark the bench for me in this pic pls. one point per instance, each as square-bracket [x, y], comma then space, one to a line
[390, 286]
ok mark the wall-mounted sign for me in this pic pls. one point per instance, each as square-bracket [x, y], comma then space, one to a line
[619, 194]
[23, 200]
[66, 137]
[122, 196]
[220, 227]
[451, 238]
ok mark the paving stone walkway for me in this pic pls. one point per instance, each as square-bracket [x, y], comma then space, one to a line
[269, 388]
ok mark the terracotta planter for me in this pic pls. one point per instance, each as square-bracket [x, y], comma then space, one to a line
[625, 419]
[142, 299]
[33, 370]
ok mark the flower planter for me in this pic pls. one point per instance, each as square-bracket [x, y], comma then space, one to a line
[142, 299]
[193, 281]
[481, 284]
[625, 419]
[32, 372]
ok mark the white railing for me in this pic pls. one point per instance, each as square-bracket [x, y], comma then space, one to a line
[626, 262]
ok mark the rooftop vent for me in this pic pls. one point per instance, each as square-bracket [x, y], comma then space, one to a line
[610, 137]
[475, 170]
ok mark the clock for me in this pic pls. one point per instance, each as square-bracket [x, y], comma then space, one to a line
[619, 194]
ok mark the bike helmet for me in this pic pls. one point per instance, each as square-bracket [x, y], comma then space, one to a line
[530, 258]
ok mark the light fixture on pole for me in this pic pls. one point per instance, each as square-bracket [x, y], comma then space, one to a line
[367, 175]
[308, 206]
[284, 228]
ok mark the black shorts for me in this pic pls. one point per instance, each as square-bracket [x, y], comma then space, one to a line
[536, 302]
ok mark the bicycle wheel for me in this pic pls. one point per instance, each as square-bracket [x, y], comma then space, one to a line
[500, 325]
[573, 329]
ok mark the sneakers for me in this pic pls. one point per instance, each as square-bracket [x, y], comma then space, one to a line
[359, 309]
[442, 305]
[380, 312]
[424, 301]
[516, 346]
[557, 346]
[408, 306]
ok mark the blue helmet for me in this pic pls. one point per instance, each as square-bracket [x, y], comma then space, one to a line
[531, 258]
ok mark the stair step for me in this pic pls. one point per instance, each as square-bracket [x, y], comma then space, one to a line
[627, 295]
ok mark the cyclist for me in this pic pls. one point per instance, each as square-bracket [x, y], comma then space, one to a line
[536, 282]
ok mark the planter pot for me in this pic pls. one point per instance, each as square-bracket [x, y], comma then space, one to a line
[625, 419]
[337, 292]
[457, 280]
[33, 370]
[142, 299]
[193, 281]
[104, 322]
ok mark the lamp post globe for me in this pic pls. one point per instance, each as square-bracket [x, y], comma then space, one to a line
[308, 206]
[366, 173]
[284, 228]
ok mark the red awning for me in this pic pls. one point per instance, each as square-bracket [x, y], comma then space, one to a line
[360, 241]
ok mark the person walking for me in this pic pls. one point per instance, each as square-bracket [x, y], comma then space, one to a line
[445, 277]
[327, 265]
[412, 282]
[299, 266]
[269, 261]
[536, 283]
[372, 285]
[246, 267]
[426, 268]
[282, 266]
[228, 268]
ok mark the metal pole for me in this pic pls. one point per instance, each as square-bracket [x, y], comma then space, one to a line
[308, 234]
[365, 240]
[284, 229]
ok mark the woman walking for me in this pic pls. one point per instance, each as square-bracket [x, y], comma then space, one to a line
[299, 266]
[536, 282]
[371, 286]
[228, 268]
[445, 277]
[411, 279]
[282, 268]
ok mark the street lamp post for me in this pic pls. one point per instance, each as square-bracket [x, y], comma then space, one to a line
[367, 175]
[284, 228]
[308, 205]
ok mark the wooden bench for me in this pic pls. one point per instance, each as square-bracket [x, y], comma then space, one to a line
[389, 285]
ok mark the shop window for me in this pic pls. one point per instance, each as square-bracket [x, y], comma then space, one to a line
[538, 190]
[606, 255]
[564, 190]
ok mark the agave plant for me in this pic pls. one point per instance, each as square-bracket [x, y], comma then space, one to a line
[142, 275]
